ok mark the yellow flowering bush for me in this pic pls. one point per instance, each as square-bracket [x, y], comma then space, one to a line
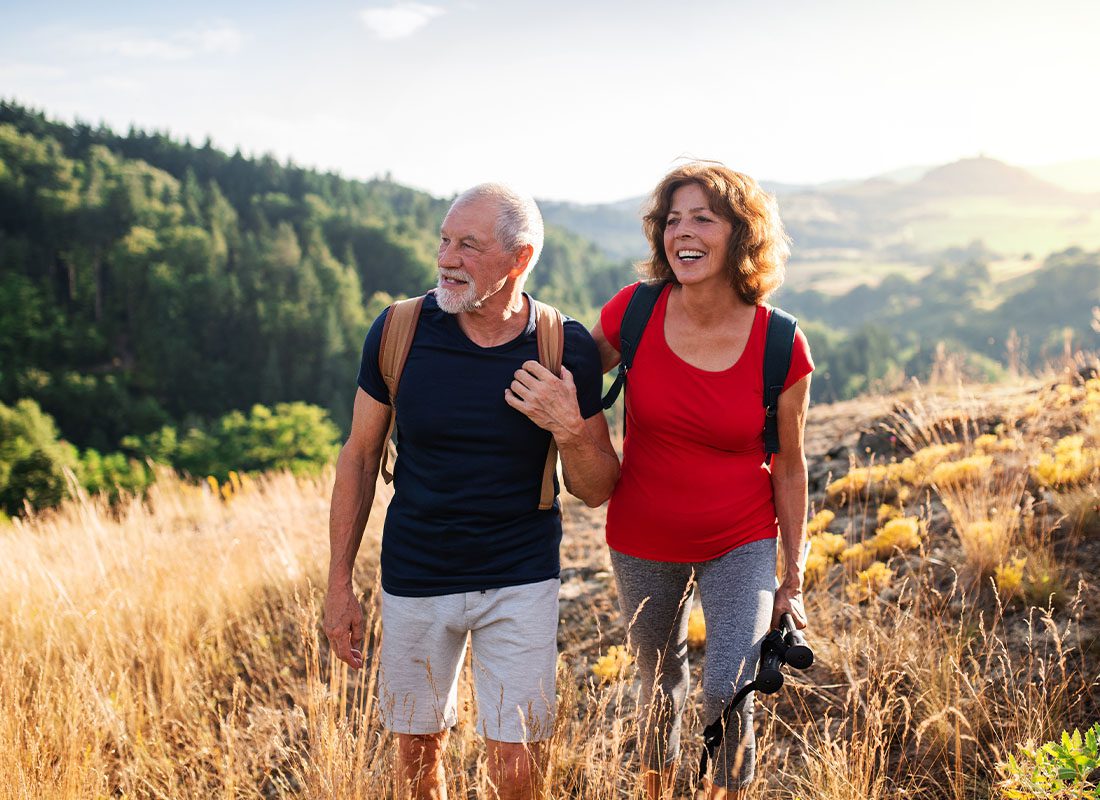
[857, 480]
[886, 512]
[1009, 577]
[981, 535]
[928, 457]
[819, 522]
[1065, 394]
[901, 533]
[613, 664]
[828, 545]
[231, 488]
[898, 475]
[906, 472]
[824, 549]
[1091, 406]
[1071, 463]
[965, 470]
[988, 542]
[869, 582]
[857, 556]
[991, 443]
[816, 567]
[697, 628]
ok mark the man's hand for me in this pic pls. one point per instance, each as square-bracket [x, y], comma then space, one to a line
[588, 461]
[547, 400]
[344, 624]
[788, 600]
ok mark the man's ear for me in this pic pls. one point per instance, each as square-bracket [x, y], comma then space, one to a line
[523, 258]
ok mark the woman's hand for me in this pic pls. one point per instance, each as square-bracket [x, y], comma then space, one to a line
[788, 600]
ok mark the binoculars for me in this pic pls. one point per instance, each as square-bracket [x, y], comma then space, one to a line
[784, 645]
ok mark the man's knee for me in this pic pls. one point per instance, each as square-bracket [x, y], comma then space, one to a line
[516, 769]
[515, 758]
[423, 747]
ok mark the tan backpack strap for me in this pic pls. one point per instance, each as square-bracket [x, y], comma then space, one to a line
[550, 335]
[397, 337]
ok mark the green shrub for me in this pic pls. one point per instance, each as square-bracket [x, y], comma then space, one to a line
[295, 436]
[36, 468]
[32, 460]
[1058, 770]
[112, 473]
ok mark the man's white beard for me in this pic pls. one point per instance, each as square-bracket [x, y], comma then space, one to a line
[452, 300]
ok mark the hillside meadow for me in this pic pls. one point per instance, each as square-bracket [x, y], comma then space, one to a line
[169, 646]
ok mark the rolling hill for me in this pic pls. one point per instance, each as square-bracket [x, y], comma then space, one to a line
[856, 233]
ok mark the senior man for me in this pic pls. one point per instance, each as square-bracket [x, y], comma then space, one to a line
[466, 546]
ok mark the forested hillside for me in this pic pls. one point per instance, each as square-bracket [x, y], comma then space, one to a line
[144, 281]
[170, 302]
[876, 334]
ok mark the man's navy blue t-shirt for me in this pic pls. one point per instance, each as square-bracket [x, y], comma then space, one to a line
[464, 515]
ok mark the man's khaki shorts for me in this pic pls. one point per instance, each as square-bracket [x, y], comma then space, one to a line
[513, 633]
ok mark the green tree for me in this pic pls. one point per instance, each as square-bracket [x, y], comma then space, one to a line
[32, 460]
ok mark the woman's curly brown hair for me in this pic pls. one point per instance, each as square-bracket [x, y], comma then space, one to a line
[757, 253]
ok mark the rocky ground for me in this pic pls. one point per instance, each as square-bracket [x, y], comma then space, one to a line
[881, 430]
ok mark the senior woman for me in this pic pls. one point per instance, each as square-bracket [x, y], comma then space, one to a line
[695, 500]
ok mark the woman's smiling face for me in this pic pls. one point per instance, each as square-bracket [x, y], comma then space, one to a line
[696, 238]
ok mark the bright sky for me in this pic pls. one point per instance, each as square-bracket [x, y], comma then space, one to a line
[585, 101]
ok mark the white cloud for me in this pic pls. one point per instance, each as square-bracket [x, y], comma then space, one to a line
[130, 43]
[398, 20]
[222, 38]
[116, 84]
[137, 46]
[17, 71]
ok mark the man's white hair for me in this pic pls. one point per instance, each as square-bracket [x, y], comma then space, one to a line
[519, 220]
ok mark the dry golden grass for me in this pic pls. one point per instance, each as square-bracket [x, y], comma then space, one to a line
[171, 648]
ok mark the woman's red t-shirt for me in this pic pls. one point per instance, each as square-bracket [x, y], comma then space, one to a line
[694, 484]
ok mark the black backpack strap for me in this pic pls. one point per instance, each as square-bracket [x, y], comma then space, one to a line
[777, 362]
[637, 314]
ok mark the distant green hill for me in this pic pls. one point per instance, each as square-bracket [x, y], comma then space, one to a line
[898, 324]
[857, 232]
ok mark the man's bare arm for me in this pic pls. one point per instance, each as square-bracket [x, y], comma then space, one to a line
[352, 497]
[588, 461]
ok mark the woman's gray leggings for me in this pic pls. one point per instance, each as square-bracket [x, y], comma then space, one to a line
[737, 591]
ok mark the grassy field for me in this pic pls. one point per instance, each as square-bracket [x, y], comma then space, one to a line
[1003, 225]
[838, 276]
[170, 647]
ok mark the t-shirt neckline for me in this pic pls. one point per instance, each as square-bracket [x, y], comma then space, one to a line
[662, 309]
[528, 329]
